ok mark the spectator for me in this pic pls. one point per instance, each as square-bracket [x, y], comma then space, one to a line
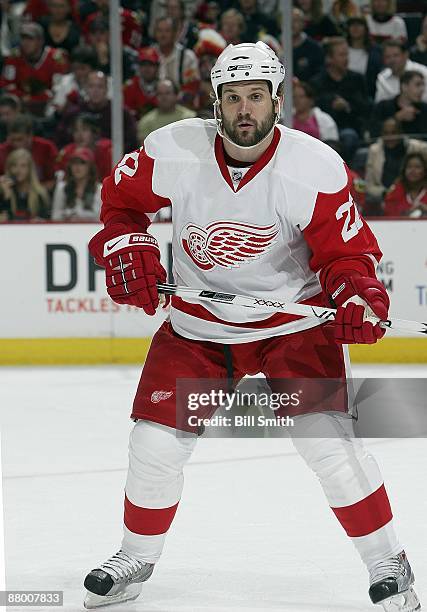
[356, 182]
[157, 9]
[77, 197]
[9, 29]
[309, 118]
[43, 151]
[70, 87]
[86, 133]
[209, 46]
[272, 42]
[384, 24]
[232, 26]
[35, 10]
[140, 92]
[341, 11]
[385, 159]
[255, 21]
[342, 94]
[307, 53]
[269, 7]
[167, 111]
[396, 62]
[22, 197]
[30, 73]
[365, 57]
[10, 107]
[178, 64]
[407, 107]
[99, 40]
[131, 23]
[59, 28]
[96, 102]
[408, 196]
[209, 15]
[186, 31]
[317, 24]
[419, 50]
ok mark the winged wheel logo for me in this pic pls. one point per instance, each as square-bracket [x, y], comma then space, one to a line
[227, 244]
[158, 396]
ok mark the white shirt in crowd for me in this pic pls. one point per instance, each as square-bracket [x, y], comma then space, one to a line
[178, 70]
[388, 85]
[327, 126]
[358, 60]
[63, 85]
[60, 212]
[393, 28]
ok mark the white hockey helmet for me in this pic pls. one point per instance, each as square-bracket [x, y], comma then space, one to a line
[248, 62]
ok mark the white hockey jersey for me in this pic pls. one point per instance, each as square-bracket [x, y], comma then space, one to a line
[269, 232]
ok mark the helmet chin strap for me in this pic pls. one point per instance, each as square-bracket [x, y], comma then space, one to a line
[247, 148]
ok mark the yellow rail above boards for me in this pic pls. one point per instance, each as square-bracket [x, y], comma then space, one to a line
[80, 351]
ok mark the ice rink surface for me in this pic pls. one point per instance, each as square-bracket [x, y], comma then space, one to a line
[253, 531]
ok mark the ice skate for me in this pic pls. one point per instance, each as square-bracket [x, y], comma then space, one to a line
[117, 580]
[391, 585]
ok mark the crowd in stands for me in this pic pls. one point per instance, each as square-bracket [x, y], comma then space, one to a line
[359, 84]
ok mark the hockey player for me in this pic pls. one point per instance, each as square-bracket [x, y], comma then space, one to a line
[257, 208]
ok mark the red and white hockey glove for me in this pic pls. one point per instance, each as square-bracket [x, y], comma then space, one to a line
[357, 297]
[132, 266]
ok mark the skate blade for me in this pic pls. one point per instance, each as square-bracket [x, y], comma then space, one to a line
[99, 601]
[403, 602]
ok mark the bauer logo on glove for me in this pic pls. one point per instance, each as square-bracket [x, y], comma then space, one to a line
[132, 266]
[128, 240]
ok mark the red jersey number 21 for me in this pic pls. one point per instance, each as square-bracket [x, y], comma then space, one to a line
[352, 221]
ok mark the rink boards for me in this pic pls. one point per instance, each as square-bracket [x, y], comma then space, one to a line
[55, 308]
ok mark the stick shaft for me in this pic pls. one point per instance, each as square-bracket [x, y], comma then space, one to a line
[277, 305]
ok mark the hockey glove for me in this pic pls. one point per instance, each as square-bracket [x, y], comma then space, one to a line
[357, 297]
[132, 266]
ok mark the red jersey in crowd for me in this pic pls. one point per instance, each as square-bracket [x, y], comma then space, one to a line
[357, 189]
[44, 154]
[136, 99]
[102, 153]
[34, 9]
[398, 202]
[130, 23]
[33, 82]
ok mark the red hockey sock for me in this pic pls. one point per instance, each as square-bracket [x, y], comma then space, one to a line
[366, 515]
[148, 521]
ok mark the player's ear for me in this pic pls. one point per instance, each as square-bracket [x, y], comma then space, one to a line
[279, 101]
[278, 106]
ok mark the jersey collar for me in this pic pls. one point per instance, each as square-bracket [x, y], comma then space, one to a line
[254, 169]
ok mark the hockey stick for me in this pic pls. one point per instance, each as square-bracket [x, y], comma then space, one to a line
[305, 310]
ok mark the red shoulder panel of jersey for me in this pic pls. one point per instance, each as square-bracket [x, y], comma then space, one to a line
[337, 232]
[130, 187]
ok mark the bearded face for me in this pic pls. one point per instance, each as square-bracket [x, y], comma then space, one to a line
[247, 112]
[252, 134]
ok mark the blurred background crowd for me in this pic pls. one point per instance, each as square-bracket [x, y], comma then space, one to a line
[359, 84]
